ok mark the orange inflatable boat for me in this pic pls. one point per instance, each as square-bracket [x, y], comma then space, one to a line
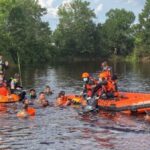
[127, 102]
[9, 99]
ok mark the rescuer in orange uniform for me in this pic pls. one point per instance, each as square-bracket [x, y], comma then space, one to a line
[107, 86]
[89, 85]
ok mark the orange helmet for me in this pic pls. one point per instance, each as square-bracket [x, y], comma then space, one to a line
[85, 75]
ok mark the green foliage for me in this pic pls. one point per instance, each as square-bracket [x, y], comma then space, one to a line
[75, 34]
[24, 32]
[118, 34]
[143, 32]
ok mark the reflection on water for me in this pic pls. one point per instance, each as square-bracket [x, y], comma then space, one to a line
[58, 128]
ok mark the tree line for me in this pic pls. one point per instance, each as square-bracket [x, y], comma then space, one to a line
[23, 32]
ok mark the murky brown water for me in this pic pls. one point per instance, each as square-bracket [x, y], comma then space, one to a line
[63, 129]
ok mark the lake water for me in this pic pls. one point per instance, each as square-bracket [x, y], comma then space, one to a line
[56, 128]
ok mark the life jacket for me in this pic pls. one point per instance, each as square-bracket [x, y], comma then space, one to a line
[116, 94]
[61, 101]
[88, 86]
[69, 100]
[110, 87]
[114, 82]
[3, 91]
[31, 111]
[88, 89]
[105, 74]
[25, 113]
[77, 100]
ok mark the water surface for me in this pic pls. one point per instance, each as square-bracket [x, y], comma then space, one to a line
[56, 128]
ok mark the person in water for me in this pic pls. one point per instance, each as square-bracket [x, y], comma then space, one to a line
[26, 111]
[32, 94]
[3, 65]
[66, 100]
[42, 100]
[147, 117]
[48, 90]
[62, 99]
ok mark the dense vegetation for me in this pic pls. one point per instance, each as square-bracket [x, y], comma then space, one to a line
[23, 32]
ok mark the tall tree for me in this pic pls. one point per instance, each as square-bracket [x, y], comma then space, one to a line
[143, 32]
[117, 29]
[5, 7]
[25, 33]
[75, 32]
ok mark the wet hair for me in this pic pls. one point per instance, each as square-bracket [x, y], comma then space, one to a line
[46, 103]
[32, 90]
[32, 96]
[47, 86]
[25, 99]
[41, 93]
[61, 93]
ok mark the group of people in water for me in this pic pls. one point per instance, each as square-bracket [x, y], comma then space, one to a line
[28, 97]
[31, 99]
[104, 87]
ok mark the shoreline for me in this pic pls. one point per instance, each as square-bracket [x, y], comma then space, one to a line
[130, 58]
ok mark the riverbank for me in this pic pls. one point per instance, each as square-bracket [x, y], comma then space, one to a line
[113, 58]
[130, 58]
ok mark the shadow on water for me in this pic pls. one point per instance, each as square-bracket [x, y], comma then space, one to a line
[62, 128]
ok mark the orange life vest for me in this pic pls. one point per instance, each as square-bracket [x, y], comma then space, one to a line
[61, 101]
[110, 87]
[105, 74]
[25, 113]
[3, 91]
[31, 111]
